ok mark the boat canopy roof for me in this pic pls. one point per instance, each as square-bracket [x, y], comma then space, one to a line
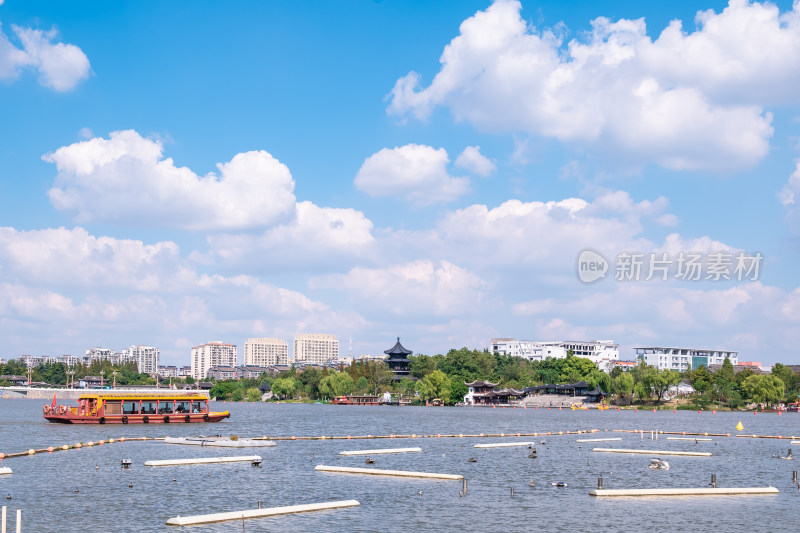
[145, 395]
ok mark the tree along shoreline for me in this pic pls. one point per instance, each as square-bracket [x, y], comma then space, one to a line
[444, 377]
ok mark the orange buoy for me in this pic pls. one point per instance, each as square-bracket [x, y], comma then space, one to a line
[50, 449]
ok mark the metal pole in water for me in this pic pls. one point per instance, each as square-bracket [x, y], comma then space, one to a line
[3, 520]
[464, 485]
[512, 492]
[19, 520]
[599, 483]
[794, 480]
[714, 480]
[259, 504]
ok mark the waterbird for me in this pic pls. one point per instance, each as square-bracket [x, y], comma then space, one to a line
[9, 496]
[420, 494]
[130, 485]
[76, 491]
[532, 483]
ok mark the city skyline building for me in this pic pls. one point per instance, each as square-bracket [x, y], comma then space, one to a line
[216, 353]
[266, 351]
[315, 348]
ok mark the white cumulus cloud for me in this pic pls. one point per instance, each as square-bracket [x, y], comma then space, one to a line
[684, 101]
[472, 160]
[61, 66]
[416, 288]
[126, 180]
[414, 172]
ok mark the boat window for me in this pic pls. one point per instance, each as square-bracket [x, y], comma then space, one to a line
[130, 407]
[183, 407]
[113, 407]
[197, 407]
[165, 407]
[148, 408]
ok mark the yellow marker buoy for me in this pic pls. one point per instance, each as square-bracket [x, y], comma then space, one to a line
[739, 426]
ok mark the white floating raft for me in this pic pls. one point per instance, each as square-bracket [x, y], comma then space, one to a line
[504, 444]
[203, 460]
[599, 440]
[795, 442]
[222, 442]
[380, 451]
[4, 471]
[651, 452]
[378, 472]
[259, 513]
[705, 491]
[689, 439]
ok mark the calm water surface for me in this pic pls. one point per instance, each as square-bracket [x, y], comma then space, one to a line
[44, 485]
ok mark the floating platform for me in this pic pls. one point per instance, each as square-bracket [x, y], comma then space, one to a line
[651, 452]
[259, 513]
[5, 471]
[505, 444]
[377, 472]
[380, 451]
[599, 440]
[695, 439]
[704, 491]
[203, 460]
[222, 442]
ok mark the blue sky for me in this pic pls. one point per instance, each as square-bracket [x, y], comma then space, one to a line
[173, 175]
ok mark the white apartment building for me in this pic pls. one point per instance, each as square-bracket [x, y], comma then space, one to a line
[69, 360]
[680, 359]
[266, 351]
[315, 348]
[211, 354]
[34, 361]
[145, 357]
[603, 353]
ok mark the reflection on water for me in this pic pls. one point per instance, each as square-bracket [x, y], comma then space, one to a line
[87, 490]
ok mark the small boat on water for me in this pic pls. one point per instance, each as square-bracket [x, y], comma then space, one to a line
[578, 407]
[220, 441]
[135, 407]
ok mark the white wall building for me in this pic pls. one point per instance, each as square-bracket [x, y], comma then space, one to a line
[266, 351]
[603, 353]
[145, 357]
[680, 359]
[315, 348]
[211, 354]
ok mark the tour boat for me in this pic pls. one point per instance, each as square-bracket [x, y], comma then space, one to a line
[356, 400]
[135, 407]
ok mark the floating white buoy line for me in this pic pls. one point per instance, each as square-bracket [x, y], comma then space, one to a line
[259, 513]
[378, 472]
[696, 439]
[651, 452]
[599, 440]
[504, 444]
[380, 451]
[203, 460]
[704, 491]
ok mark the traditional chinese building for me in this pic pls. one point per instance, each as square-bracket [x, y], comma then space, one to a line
[398, 361]
[477, 392]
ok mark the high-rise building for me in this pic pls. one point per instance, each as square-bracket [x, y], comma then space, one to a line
[266, 351]
[315, 348]
[145, 357]
[211, 354]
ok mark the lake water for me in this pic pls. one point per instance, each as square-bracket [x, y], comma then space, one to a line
[44, 485]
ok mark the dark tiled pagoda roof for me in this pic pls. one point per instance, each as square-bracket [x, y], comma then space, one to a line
[397, 349]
